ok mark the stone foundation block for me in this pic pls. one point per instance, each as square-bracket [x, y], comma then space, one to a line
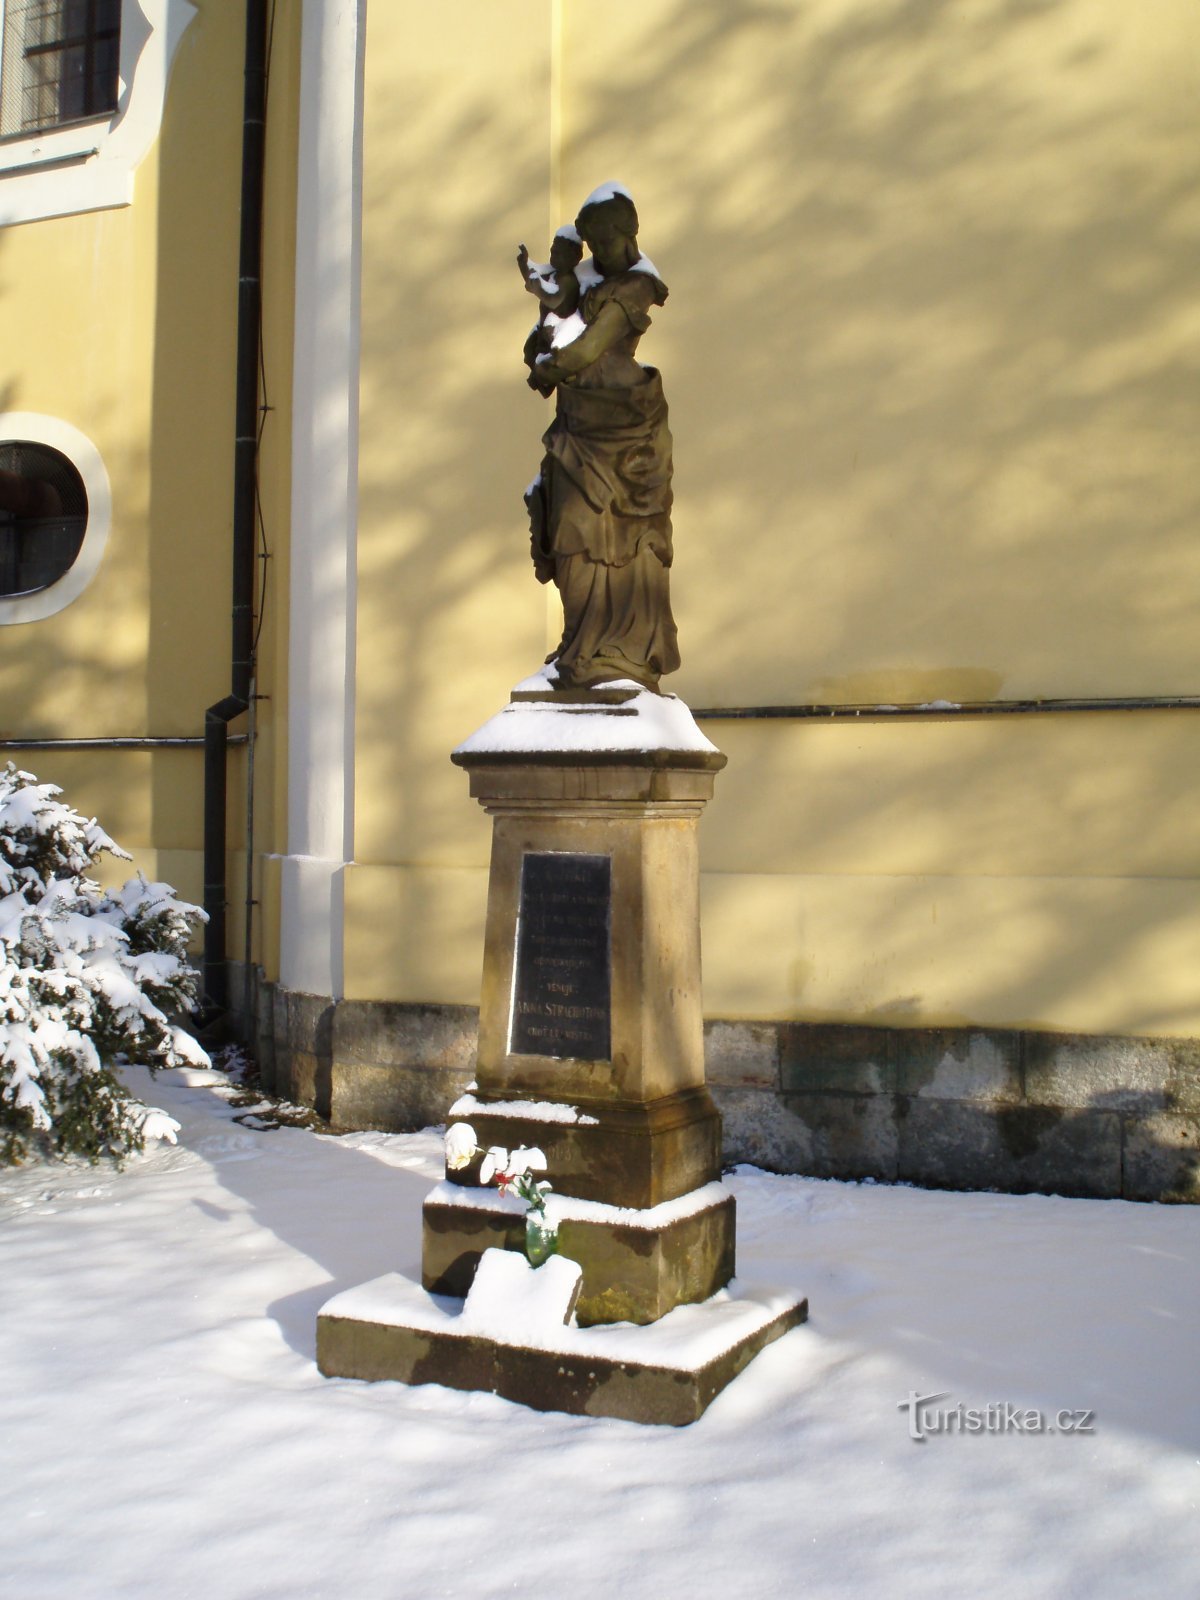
[957, 1064]
[792, 1094]
[1183, 1078]
[947, 1144]
[309, 1036]
[396, 1099]
[279, 1036]
[1070, 1069]
[851, 1135]
[263, 1043]
[760, 1129]
[1162, 1157]
[742, 1054]
[813, 1057]
[386, 1033]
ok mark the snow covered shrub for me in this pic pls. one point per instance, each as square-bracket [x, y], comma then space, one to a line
[87, 979]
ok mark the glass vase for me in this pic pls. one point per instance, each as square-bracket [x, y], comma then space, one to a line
[541, 1238]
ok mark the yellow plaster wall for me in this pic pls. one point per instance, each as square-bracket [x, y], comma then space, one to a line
[1107, 955]
[456, 171]
[1038, 871]
[1031, 873]
[415, 933]
[123, 323]
[933, 336]
[1097, 795]
[931, 356]
[78, 301]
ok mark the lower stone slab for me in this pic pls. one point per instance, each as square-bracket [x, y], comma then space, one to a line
[668, 1372]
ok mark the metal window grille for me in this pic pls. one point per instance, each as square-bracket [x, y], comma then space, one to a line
[59, 64]
[43, 516]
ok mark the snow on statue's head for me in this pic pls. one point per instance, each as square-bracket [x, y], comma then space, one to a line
[612, 204]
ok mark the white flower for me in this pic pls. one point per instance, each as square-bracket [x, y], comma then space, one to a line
[525, 1160]
[495, 1161]
[460, 1146]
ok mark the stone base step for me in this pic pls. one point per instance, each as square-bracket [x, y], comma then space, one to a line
[637, 1264]
[668, 1372]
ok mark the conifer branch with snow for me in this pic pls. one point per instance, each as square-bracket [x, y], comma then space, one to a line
[87, 979]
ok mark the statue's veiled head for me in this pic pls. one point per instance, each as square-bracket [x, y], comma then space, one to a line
[609, 229]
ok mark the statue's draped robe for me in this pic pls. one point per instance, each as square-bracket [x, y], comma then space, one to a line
[600, 511]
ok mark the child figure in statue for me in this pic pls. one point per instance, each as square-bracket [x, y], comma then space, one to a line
[600, 508]
[556, 288]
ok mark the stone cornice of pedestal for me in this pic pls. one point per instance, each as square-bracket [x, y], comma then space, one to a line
[616, 789]
[514, 791]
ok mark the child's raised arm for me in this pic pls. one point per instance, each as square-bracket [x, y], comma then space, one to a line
[556, 291]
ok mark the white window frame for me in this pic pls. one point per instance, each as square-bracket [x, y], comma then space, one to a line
[89, 165]
[85, 458]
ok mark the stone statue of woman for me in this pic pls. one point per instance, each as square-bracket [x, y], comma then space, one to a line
[600, 509]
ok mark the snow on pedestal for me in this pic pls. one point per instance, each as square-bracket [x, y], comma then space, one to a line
[619, 716]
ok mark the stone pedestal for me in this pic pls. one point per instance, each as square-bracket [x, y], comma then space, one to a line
[590, 1048]
[591, 1024]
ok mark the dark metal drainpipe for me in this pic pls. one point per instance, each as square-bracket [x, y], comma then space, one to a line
[245, 499]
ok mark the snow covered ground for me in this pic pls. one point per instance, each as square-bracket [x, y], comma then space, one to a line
[164, 1431]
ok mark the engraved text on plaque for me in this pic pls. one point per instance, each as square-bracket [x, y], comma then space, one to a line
[563, 979]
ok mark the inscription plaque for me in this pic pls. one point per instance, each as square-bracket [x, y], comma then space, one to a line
[562, 982]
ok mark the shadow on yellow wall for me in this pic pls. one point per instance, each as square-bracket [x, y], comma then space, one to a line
[931, 271]
[927, 353]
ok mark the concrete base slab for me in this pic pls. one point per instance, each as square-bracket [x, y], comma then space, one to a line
[668, 1372]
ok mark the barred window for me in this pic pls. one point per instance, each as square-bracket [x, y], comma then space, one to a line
[59, 63]
[43, 516]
